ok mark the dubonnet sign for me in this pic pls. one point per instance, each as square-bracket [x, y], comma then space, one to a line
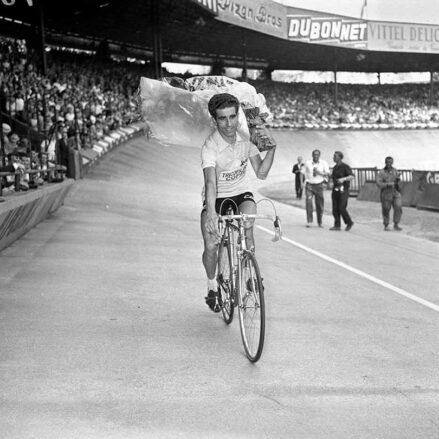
[326, 29]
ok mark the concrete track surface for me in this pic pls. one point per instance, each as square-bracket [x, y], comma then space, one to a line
[105, 334]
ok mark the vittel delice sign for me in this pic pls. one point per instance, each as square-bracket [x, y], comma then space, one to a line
[327, 30]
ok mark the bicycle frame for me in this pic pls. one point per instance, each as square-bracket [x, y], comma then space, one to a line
[236, 237]
[239, 246]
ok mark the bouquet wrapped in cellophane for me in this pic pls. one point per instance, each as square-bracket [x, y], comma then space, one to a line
[176, 109]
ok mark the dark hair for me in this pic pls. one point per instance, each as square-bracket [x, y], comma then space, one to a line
[316, 150]
[388, 158]
[222, 100]
[339, 153]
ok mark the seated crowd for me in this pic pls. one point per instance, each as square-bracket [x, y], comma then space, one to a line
[80, 100]
[300, 105]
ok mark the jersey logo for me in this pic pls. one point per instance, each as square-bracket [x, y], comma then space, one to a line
[233, 175]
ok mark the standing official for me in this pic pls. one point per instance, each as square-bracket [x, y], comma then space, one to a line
[316, 171]
[341, 177]
[297, 168]
[388, 180]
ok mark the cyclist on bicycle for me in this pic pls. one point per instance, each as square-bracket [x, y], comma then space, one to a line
[224, 159]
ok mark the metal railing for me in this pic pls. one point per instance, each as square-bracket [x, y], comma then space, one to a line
[52, 174]
[368, 175]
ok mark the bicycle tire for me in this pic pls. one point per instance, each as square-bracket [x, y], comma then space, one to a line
[225, 280]
[251, 307]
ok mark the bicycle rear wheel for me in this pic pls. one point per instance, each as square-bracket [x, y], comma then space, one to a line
[225, 280]
[251, 307]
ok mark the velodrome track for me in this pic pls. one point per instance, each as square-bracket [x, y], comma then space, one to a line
[105, 334]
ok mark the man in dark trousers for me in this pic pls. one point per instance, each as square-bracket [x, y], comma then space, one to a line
[299, 177]
[341, 177]
[388, 180]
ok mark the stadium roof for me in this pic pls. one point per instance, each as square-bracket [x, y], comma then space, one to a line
[191, 34]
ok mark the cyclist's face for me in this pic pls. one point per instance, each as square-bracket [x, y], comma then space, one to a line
[227, 122]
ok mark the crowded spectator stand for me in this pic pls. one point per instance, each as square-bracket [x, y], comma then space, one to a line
[46, 118]
[358, 107]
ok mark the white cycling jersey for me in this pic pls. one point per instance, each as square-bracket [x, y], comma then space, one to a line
[230, 161]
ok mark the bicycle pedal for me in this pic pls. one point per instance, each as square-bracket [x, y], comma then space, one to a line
[213, 301]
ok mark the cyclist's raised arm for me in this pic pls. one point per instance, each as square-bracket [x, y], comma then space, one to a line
[262, 166]
[210, 198]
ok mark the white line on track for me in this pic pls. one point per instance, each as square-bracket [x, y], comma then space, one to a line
[373, 279]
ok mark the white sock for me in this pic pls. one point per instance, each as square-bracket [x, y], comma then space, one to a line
[211, 284]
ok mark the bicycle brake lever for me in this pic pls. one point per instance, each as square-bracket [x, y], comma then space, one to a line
[277, 230]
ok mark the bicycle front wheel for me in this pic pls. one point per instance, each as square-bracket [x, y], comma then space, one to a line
[251, 307]
[225, 280]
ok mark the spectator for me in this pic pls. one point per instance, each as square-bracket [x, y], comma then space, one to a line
[24, 146]
[341, 177]
[315, 173]
[12, 147]
[388, 180]
[64, 148]
[6, 131]
[297, 171]
[13, 164]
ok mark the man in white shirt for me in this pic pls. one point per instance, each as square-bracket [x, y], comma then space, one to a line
[224, 160]
[316, 172]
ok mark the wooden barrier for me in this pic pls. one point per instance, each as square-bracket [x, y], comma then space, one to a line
[22, 211]
[369, 192]
[429, 198]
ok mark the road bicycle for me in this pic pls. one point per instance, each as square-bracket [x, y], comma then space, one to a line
[239, 278]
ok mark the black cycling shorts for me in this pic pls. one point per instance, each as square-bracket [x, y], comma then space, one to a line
[233, 202]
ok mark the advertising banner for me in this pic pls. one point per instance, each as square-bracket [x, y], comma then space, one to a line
[208, 4]
[403, 37]
[320, 28]
[263, 16]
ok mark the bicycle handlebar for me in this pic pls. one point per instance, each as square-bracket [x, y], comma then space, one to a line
[247, 216]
